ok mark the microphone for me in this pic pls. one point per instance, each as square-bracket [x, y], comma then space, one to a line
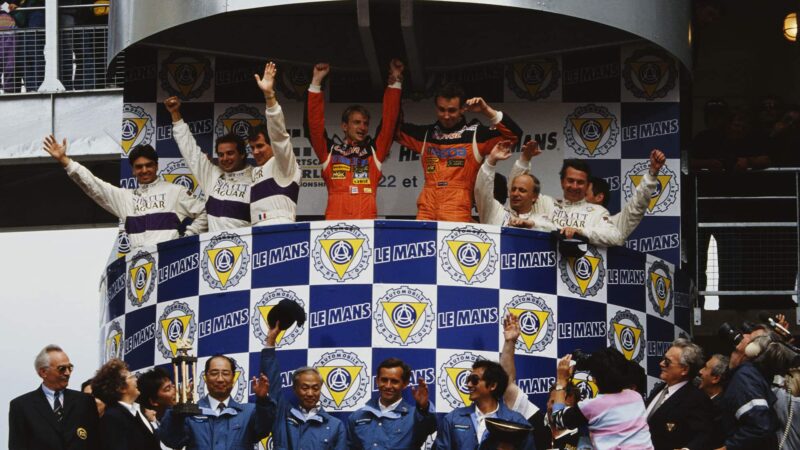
[766, 318]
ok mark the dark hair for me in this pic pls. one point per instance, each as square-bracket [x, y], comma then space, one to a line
[150, 383]
[257, 130]
[500, 188]
[143, 150]
[577, 164]
[610, 370]
[569, 390]
[86, 383]
[636, 377]
[391, 363]
[493, 373]
[354, 109]
[231, 138]
[220, 355]
[600, 186]
[450, 90]
[108, 381]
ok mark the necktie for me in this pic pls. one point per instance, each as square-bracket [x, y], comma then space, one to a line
[661, 396]
[220, 408]
[58, 408]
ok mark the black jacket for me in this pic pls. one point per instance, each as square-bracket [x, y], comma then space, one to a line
[121, 430]
[32, 423]
[684, 420]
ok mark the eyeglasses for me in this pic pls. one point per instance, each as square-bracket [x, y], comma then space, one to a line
[217, 373]
[473, 379]
[65, 368]
[668, 363]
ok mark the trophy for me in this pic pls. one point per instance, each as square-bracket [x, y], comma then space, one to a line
[185, 367]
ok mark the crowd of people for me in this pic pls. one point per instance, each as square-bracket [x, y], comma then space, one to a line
[458, 159]
[748, 400]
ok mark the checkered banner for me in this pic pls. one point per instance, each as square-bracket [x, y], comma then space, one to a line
[610, 106]
[432, 294]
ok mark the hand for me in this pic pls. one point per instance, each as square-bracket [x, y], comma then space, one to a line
[272, 334]
[11, 7]
[320, 72]
[421, 394]
[657, 160]
[511, 328]
[261, 386]
[149, 414]
[530, 149]
[476, 104]
[570, 232]
[564, 370]
[781, 320]
[396, 68]
[519, 222]
[267, 82]
[56, 150]
[173, 105]
[500, 152]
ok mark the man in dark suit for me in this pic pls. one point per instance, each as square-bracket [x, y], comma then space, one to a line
[52, 416]
[679, 414]
[713, 377]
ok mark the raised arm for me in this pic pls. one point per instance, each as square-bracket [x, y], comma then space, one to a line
[502, 127]
[633, 212]
[197, 161]
[489, 209]
[109, 197]
[391, 110]
[279, 138]
[315, 112]
[511, 333]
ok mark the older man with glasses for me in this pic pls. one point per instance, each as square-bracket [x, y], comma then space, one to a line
[679, 414]
[52, 416]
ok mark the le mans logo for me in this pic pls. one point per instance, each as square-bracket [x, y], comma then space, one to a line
[267, 443]
[114, 340]
[141, 278]
[225, 261]
[404, 316]
[659, 288]
[453, 378]
[535, 79]
[625, 334]
[665, 192]
[177, 172]
[468, 255]
[123, 243]
[345, 379]
[261, 311]
[137, 127]
[185, 75]
[239, 120]
[239, 392]
[591, 130]
[177, 323]
[650, 73]
[536, 322]
[341, 252]
[294, 82]
[587, 387]
[583, 275]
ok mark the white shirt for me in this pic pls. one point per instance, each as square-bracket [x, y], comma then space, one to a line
[670, 390]
[214, 403]
[135, 409]
[481, 419]
[385, 409]
[307, 414]
[51, 396]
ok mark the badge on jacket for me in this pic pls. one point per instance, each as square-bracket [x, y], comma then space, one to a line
[670, 426]
[81, 432]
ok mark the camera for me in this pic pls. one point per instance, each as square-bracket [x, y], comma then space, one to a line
[581, 359]
[733, 335]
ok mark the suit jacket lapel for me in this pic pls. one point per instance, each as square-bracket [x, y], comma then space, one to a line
[41, 405]
[69, 402]
[673, 399]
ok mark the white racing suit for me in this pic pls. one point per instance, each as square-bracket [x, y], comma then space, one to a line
[151, 213]
[227, 194]
[632, 213]
[491, 212]
[276, 184]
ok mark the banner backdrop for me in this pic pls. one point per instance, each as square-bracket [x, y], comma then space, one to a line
[431, 294]
[610, 106]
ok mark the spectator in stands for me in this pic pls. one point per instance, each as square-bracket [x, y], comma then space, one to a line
[124, 425]
[616, 416]
[30, 46]
[713, 377]
[227, 184]
[678, 413]
[465, 427]
[8, 45]
[768, 112]
[152, 212]
[633, 212]
[524, 191]
[784, 140]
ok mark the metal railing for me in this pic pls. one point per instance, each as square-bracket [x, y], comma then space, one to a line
[79, 61]
[747, 233]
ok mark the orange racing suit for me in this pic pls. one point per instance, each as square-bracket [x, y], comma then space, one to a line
[351, 170]
[451, 159]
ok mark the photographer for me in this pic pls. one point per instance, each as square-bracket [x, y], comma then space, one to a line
[616, 416]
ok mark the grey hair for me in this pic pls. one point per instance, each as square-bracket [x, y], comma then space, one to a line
[720, 369]
[691, 355]
[301, 370]
[43, 358]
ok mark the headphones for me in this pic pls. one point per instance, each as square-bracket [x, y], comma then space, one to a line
[757, 346]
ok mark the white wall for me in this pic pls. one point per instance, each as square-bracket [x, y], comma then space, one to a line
[48, 294]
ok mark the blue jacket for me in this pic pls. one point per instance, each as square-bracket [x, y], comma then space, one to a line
[457, 429]
[748, 420]
[291, 431]
[238, 427]
[404, 428]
